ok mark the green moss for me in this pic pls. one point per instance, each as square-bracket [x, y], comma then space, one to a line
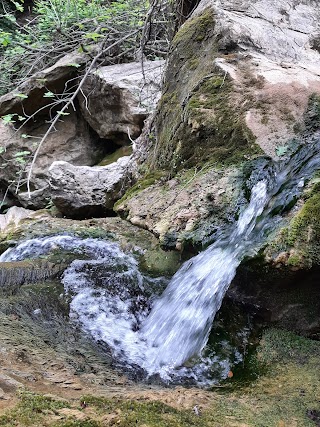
[282, 346]
[198, 119]
[285, 388]
[300, 238]
[140, 185]
[161, 263]
[294, 261]
[312, 115]
[194, 63]
[197, 29]
[303, 232]
[78, 423]
[31, 409]
[113, 157]
[145, 413]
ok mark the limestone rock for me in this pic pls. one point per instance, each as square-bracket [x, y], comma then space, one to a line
[51, 79]
[270, 50]
[189, 208]
[118, 98]
[82, 191]
[14, 216]
[72, 141]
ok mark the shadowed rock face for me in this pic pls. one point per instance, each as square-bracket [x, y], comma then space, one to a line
[288, 299]
[72, 141]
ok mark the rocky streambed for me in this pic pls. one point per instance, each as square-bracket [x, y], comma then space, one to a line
[240, 89]
[53, 373]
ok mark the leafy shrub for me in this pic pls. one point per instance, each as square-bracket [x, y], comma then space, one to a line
[57, 27]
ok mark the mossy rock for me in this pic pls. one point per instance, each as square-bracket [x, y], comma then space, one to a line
[113, 157]
[198, 118]
[143, 183]
[141, 243]
[297, 244]
[284, 393]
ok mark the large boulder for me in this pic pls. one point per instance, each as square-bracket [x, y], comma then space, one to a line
[242, 81]
[116, 99]
[238, 81]
[72, 141]
[84, 192]
[30, 96]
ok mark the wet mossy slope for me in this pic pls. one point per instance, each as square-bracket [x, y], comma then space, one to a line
[199, 117]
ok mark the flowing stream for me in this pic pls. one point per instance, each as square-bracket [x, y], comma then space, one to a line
[111, 298]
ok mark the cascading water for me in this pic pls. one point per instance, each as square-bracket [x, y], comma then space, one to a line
[180, 321]
[109, 294]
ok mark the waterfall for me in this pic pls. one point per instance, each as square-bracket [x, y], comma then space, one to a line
[111, 303]
[180, 321]
[111, 298]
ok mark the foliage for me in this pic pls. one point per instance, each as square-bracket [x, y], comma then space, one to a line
[31, 409]
[105, 32]
[55, 27]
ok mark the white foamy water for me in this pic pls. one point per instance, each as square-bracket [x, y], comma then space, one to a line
[116, 304]
[180, 320]
[110, 299]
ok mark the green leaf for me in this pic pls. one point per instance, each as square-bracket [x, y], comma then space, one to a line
[2, 150]
[281, 151]
[8, 119]
[20, 160]
[5, 38]
[18, 6]
[25, 136]
[93, 36]
[22, 153]
[21, 95]
[48, 95]
[21, 118]
[62, 113]
[74, 65]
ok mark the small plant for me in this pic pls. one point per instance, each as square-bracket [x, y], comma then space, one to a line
[282, 150]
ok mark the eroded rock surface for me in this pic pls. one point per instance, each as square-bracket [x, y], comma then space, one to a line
[116, 99]
[82, 191]
[188, 209]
